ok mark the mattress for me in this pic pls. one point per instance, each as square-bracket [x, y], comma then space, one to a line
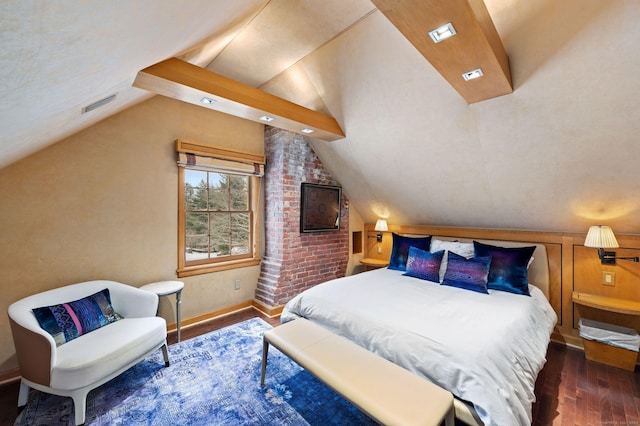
[487, 349]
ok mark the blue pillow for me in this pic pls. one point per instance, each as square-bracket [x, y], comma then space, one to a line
[424, 265]
[469, 274]
[68, 321]
[508, 268]
[400, 249]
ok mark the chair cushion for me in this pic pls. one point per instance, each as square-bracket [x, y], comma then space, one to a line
[99, 354]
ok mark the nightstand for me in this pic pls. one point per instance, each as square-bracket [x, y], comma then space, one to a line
[370, 263]
[609, 304]
[601, 352]
[165, 288]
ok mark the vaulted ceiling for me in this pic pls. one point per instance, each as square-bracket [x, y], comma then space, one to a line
[558, 153]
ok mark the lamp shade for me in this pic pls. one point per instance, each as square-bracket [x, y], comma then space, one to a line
[381, 225]
[601, 237]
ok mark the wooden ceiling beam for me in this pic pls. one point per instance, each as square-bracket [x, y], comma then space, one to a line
[181, 80]
[475, 45]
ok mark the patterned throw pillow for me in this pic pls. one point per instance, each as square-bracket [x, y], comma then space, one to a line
[400, 249]
[68, 321]
[463, 249]
[508, 268]
[469, 274]
[424, 265]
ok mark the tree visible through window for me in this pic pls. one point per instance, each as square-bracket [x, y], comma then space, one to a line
[218, 217]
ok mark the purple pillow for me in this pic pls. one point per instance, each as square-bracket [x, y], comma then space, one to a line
[508, 267]
[469, 274]
[400, 249]
[423, 264]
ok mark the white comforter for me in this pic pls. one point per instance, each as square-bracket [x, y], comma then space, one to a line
[485, 349]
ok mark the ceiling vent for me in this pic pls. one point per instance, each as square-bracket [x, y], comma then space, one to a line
[99, 103]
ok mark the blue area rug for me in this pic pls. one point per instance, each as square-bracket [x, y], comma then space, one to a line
[214, 379]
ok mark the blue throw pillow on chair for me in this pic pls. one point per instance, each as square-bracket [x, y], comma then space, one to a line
[71, 320]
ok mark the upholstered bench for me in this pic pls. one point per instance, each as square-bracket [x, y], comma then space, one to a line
[385, 391]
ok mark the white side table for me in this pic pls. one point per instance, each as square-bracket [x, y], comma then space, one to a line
[165, 288]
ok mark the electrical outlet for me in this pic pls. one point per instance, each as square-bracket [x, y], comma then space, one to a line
[236, 284]
[608, 278]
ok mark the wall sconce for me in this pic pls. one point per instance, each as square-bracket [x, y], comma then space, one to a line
[381, 226]
[601, 237]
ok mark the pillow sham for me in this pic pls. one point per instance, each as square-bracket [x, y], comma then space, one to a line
[423, 264]
[68, 321]
[462, 249]
[400, 249]
[469, 274]
[508, 268]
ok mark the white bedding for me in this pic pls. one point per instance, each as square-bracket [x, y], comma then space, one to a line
[485, 349]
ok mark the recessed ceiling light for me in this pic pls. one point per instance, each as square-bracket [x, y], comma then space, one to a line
[470, 75]
[442, 33]
[207, 101]
[307, 131]
[266, 118]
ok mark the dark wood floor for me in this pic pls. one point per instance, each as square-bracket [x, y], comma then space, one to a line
[573, 391]
[570, 390]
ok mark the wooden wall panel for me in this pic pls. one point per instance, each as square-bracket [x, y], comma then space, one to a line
[587, 278]
[554, 254]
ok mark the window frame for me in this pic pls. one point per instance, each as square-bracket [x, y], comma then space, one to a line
[205, 266]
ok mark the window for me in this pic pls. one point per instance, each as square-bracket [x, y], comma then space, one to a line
[217, 216]
[217, 210]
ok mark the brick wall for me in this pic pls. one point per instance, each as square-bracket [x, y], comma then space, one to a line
[294, 261]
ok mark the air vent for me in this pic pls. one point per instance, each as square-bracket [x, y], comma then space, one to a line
[99, 103]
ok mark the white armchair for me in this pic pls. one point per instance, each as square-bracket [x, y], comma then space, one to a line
[82, 364]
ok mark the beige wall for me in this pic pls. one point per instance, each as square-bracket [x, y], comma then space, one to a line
[103, 204]
[558, 154]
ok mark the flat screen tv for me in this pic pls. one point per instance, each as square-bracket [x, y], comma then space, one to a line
[320, 207]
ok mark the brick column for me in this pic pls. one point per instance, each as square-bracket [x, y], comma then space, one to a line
[293, 261]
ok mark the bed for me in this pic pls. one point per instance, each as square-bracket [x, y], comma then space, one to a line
[487, 348]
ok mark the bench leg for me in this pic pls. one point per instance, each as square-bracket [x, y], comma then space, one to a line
[265, 354]
[450, 418]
